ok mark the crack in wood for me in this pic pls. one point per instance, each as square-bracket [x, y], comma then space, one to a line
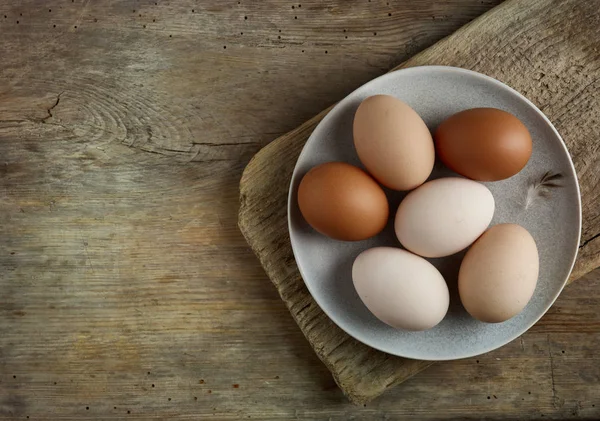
[14, 121]
[225, 143]
[522, 344]
[49, 110]
[589, 240]
[554, 396]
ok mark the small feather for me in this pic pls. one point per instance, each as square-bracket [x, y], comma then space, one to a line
[551, 177]
[541, 188]
[552, 184]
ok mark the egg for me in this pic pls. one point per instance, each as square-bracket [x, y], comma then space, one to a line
[498, 275]
[484, 144]
[393, 142]
[443, 216]
[343, 202]
[402, 290]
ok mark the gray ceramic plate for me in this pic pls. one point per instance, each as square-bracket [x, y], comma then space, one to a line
[436, 92]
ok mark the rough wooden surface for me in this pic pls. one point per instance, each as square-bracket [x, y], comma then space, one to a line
[126, 289]
[546, 50]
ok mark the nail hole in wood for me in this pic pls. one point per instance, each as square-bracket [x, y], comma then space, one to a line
[152, 385]
[245, 17]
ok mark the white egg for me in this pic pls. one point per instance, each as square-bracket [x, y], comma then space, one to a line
[400, 289]
[444, 216]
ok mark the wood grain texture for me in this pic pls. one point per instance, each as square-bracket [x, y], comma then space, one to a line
[126, 289]
[546, 50]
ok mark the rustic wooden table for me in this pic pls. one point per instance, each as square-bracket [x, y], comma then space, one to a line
[126, 289]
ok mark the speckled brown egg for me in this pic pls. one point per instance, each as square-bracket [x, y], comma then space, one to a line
[484, 144]
[343, 202]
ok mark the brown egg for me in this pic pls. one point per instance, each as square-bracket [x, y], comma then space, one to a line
[393, 142]
[484, 144]
[342, 202]
[498, 275]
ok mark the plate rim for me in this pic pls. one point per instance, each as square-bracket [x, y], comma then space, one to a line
[504, 86]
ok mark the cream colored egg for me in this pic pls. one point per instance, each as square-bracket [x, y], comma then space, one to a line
[443, 216]
[400, 289]
[393, 142]
[499, 273]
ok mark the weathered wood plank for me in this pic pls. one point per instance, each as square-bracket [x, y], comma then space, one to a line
[128, 269]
